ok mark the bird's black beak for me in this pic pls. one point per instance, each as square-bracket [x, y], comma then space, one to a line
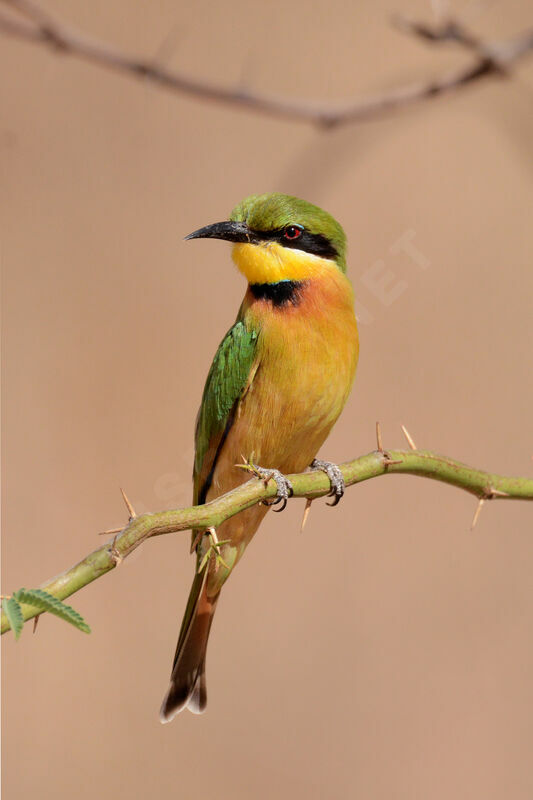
[229, 231]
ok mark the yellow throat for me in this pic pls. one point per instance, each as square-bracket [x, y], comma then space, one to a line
[270, 262]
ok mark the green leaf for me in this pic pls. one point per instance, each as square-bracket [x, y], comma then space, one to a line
[41, 599]
[13, 612]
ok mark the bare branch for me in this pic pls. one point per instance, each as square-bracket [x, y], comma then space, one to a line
[38, 26]
[483, 485]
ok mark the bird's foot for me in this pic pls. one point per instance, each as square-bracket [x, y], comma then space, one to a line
[335, 478]
[213, 551]
[284, 486]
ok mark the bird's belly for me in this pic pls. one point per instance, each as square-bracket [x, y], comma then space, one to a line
[288, 411]
[281, 423]
[286, 417]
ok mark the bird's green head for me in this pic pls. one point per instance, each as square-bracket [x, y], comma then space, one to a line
[279, 237]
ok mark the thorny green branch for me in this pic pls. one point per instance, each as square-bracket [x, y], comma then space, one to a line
[34, 23]
[484, 485]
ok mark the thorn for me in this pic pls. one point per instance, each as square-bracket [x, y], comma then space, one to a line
[195, 541]
[213, 551]
[249, 466]
[307, 509]
[387, 460]
[378, 437]
[36, 622]
[110, 531]
[496, 493]
[477, 513]
[246, 467]
[409, 438]
[131, 510]
[212, 531]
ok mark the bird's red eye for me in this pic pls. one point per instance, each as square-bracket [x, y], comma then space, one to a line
[292, 232]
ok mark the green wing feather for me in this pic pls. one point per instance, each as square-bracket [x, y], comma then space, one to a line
[226, 382]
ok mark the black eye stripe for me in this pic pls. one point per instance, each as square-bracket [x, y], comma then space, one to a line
[313, 243]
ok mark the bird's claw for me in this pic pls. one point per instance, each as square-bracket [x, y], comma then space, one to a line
[284, 486]
[335, 478]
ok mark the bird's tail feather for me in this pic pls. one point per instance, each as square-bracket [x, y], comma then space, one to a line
[187, 687]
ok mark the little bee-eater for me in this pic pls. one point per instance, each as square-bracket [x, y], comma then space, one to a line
[277, 384]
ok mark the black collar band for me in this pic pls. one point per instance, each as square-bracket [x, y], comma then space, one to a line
[279, 294]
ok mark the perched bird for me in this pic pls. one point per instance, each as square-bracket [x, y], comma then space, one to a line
[277, 384]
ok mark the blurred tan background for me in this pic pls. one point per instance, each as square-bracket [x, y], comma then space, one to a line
[385, 653]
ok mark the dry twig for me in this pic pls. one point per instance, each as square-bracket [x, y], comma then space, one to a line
[33, 23]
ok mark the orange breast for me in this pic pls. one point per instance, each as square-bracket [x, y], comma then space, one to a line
[307, 356]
